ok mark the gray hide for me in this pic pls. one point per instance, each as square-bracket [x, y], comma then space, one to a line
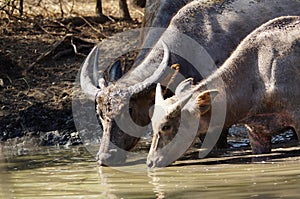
[260, 88]
[214, 29]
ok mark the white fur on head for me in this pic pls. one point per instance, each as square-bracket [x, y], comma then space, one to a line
[158, 95]
[166, 107]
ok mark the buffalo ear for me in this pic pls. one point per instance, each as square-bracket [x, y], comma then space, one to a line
[115, 71]
[205, 99]
[185, 85]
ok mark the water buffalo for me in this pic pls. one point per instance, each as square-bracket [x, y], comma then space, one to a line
[123, 6]
[261, 90]
[157, 14]
[217, 27]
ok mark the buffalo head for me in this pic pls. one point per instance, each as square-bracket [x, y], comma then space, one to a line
[122, 108]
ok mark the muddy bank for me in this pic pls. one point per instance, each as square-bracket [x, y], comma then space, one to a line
[38, 66]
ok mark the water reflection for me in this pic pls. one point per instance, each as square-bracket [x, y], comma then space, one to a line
[158, 187]
[274, 180]
[52, 173]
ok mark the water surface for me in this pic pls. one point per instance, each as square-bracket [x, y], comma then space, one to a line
[72, 173]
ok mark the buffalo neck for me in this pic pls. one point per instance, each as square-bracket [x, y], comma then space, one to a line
[242, 86]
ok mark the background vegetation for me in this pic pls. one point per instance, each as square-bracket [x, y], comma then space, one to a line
[42, 45]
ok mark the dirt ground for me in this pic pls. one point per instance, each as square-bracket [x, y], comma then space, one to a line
[38, 63]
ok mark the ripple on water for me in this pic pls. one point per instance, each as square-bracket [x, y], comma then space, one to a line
[72, 173]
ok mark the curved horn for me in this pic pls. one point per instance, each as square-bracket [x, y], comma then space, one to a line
[99, 81]
[124, 120]
[161, 68]
[96, 67]
[86, 83]
[156, 75]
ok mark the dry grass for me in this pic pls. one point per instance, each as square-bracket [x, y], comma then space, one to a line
[65, 8]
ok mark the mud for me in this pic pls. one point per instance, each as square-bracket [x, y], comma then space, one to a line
[38, 65]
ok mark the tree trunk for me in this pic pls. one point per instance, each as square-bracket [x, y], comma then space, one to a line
[21, 8]
[124, 9]
[99, 8]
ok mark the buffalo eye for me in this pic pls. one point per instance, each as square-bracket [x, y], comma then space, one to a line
[166, 128]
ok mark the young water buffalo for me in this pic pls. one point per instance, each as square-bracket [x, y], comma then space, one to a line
[261, 89]
[216, 26]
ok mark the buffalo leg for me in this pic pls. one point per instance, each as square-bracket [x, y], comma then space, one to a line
[222, 141]
[296, 126]
[261, 128]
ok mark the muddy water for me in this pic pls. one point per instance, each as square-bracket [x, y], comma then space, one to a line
[72, 173]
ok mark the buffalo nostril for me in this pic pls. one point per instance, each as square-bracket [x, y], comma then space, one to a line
[102, 158]
[100, 163]
[150, 163]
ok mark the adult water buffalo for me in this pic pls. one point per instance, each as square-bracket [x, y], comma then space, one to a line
[217, 26]
[261, 89]
[157, 14]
